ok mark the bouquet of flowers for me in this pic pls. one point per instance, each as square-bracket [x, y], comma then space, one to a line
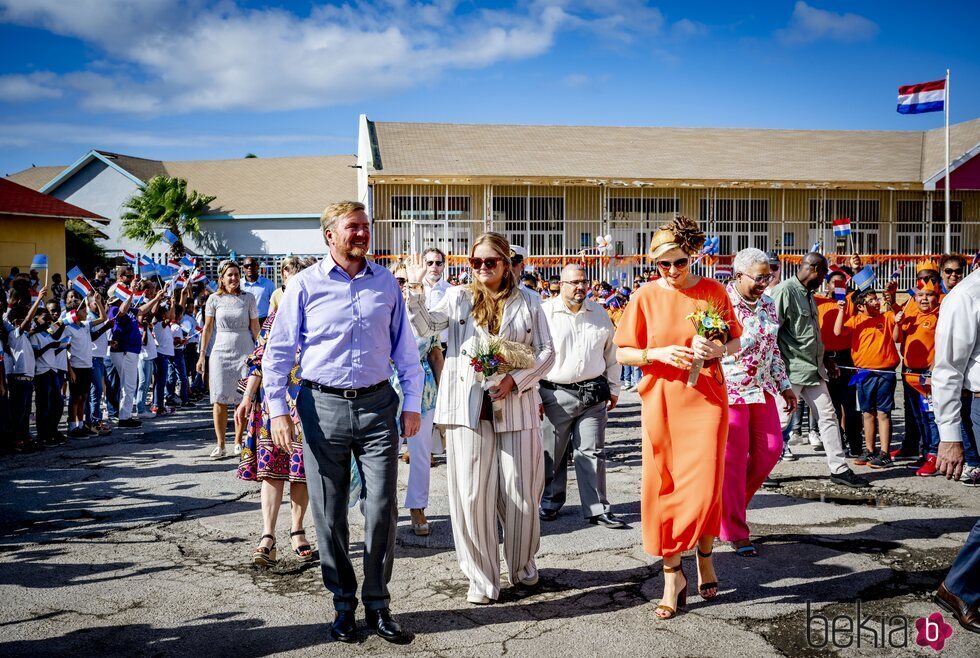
[709, 323]
[493, 358]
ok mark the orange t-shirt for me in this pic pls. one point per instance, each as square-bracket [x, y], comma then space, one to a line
[918, 334]
[872, 346]
[827, 315]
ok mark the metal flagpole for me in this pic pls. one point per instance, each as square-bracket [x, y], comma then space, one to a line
[949, 237]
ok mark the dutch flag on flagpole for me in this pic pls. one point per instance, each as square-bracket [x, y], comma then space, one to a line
[923, 97]
[842, 227]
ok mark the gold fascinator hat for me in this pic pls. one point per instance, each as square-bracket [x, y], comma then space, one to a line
[680, 233]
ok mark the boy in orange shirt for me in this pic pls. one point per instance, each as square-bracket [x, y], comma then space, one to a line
[916, 333]
[839, 348]
[874, 354]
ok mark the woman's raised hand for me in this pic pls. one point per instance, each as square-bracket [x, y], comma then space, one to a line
[415, 268]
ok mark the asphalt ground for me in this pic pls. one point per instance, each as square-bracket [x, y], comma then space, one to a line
[137, 544]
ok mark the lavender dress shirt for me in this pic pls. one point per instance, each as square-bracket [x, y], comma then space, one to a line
[348, 331]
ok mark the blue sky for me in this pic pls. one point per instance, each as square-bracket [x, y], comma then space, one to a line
[196, 79]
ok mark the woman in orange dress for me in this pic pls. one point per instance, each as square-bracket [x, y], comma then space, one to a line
[684, 427]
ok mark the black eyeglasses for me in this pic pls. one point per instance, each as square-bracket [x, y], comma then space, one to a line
[762, 278]
[680, 263]
[949, 271]
[437, 263]
[479, 263]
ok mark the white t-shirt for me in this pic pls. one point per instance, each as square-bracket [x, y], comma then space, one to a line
[100, 345]
[19, 356]
[80, 347]
[47, 361]
[165, 339]
[149, 350]
[177, 331]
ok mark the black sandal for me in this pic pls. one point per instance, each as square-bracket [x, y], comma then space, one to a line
[707, 586]
[303, 548]
[265, 556]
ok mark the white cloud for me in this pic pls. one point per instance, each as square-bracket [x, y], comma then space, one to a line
[35, 134]
[576, 80]
[809, 24]
[29, 87]
[686, 29]
[167, 56]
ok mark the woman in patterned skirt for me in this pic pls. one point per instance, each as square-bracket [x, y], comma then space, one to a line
[263, 461]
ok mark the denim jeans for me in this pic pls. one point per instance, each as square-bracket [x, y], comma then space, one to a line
[147, 366]
[163, 363]
[111, 388]
[178, 376]
[925, 420]
[93, 406]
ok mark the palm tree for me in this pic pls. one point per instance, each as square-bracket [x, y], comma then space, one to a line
[162, 204]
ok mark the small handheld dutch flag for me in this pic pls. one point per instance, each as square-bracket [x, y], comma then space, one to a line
[723, 272]
[815, 247]
[129, 257]
[170, 237]
[840, 292]
[187, 263]
[40, 262]
[123, 293]
[865, 278]
[70, 318]
[79, 283]
[199, 277]
[842, 227]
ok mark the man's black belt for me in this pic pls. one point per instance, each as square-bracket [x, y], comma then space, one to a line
[347, 393]
[577, 386]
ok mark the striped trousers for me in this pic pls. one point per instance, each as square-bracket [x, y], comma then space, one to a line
[494, 476]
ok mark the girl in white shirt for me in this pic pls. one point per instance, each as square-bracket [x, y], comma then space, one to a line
[165, 356]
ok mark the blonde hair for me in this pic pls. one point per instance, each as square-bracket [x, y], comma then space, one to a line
[333, 212]
[223, 267]
[488, 306]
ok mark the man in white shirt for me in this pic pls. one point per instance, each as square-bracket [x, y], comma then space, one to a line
[956, 386]
[433, 284]
[578, 392]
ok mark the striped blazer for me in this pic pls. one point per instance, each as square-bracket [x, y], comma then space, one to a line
[460, 392]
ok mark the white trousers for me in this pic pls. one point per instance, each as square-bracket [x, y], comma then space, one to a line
[127, 366]
[822, 408]
[420, 463]
[494, 476]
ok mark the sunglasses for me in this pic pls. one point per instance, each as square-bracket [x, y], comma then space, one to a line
[250, 265]
[949, 271]
[437, 263]
[680, 263]
[927, 278]
[490, 263]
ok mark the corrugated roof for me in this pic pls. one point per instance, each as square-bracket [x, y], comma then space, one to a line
[246, 186]
[17, 199]
[598, 152]
[260, 186]
[35, 177]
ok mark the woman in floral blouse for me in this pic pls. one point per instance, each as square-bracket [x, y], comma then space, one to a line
[756, 376]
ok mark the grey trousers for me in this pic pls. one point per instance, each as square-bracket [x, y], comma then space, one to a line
[333, 428]
[567, 419]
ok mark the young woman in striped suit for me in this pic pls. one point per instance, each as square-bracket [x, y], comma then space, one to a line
[493, 464]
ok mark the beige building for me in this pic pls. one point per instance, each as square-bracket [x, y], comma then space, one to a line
[555, 189]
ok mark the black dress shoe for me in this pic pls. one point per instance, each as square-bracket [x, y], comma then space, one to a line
[967, 615]
[344, 627]
[608, 521]
[385, 625]
[547, 514]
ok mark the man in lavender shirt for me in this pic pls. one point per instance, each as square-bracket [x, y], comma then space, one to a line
[348, 319]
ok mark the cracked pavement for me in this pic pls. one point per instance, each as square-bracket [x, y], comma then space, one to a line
[138, 544]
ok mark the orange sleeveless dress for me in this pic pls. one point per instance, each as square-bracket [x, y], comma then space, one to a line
[684, 429]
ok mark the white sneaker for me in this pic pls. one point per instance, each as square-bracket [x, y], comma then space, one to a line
[815, 439]
[787, 455]
[238, 449]
[218, 453]
[795, 438]
[970, 476]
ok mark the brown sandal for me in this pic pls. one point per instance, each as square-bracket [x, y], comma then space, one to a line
[705, 587]
[681, 596]
[265, 556]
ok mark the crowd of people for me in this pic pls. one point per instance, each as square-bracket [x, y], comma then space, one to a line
[328, 376]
